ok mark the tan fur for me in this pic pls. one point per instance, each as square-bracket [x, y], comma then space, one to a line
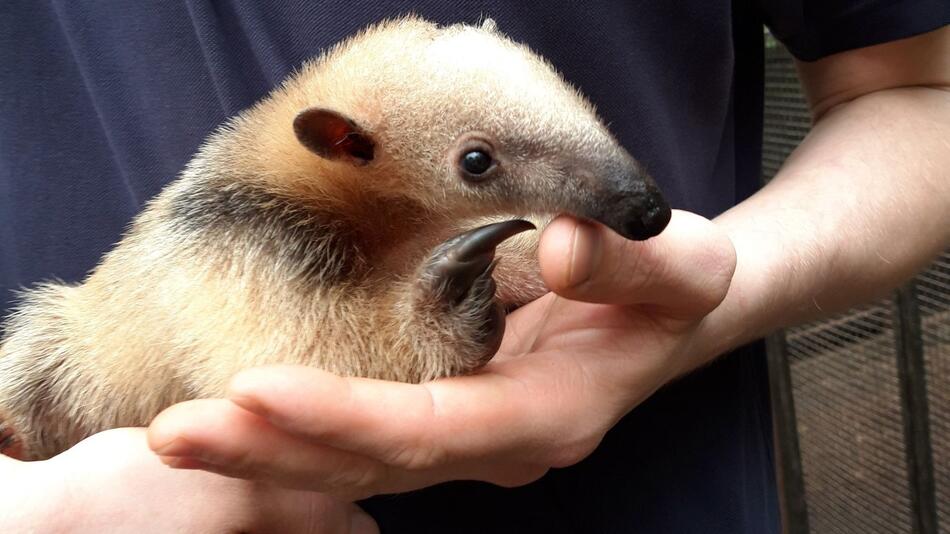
[173, 313]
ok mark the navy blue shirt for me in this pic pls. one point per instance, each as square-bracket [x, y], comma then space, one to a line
[101, 105]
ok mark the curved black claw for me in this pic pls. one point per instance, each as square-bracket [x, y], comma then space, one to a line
[459, 262]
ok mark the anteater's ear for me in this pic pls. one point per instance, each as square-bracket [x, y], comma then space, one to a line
[333, 136]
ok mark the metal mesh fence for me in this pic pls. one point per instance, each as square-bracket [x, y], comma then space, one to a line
[933, 293]
[847, 400]
[787, 119]
[845, 380]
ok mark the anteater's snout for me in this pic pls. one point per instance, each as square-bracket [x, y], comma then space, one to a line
[628, 201]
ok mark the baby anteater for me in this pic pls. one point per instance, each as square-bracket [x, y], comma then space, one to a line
[348, 221]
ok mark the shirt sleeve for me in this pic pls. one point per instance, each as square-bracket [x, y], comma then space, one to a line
[813, 29]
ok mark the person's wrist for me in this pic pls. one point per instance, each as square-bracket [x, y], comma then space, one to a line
[740, 317]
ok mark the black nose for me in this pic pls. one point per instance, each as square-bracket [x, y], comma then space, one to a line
[647, 221]
[626, 199]
[638, 215]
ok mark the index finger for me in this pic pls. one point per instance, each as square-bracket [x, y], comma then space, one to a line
[413, 426]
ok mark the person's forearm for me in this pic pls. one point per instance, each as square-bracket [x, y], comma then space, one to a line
[859, 207]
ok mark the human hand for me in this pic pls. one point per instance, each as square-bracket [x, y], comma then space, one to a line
[112, 482]
[624, 319]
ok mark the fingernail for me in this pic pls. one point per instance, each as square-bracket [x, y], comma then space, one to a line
[585, 254]
[176, 447]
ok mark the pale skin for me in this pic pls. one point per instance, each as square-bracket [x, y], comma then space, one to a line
[112, 482]
[859, 207]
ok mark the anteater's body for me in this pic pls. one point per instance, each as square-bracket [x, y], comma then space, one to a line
[318, 228]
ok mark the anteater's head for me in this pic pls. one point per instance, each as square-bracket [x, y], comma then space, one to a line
[461, 121]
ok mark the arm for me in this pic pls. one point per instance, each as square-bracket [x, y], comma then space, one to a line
[860, 206]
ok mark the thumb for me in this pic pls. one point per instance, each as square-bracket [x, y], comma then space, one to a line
[684, 272]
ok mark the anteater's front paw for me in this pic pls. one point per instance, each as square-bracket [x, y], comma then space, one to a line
[456, 296]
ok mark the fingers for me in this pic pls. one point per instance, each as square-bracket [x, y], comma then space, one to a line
[409, 427]
[405, 425]
[221, 437]
[685, 271]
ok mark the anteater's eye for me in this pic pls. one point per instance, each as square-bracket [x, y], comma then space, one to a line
[476, 162]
